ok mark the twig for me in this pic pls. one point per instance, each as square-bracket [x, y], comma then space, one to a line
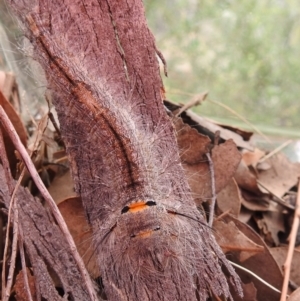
[276, 150]
[231, 111]
[35, 176]
[289, 257]
[12, 206]
[242, 118]
[23, 262]
[6, 287]
[213, 190]
[160, 55]
[221, 216]
[196, 100]
[14, 248]
[241, 249]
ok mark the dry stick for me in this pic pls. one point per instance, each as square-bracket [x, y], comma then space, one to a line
[221, 216]
[23, 262]
[289, 257]
[14, 246]
[10, 188]
[228, 109]
[13, 204]
[276, 150]
[160, 55]
[55, 211]
[242, 118]
[213, 190]
[16, 228]
[196, 100]
[13, 191]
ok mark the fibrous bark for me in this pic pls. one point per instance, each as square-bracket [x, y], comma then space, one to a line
[100, 61]
[45, 246]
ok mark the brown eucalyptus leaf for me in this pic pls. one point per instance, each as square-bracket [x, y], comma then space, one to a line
[229, 198]
[225, 158]
[2, 80]
[245, 215]
[230, 238]
[9, 88]
[60, 155]
[225, 134]
[281, 177]
[274, 221]
[245, 179]
[255, 203]
[14, 118]
[295, 296]
[192, 145]
[252, 158]
[62, 187]
[73, 213]
[250, 293]
[263, 166]
[19, 127]
[246, 135]
[20, 289]
[261, 263]
[280, 254]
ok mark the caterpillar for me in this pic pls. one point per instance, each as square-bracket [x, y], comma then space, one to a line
[100, 62]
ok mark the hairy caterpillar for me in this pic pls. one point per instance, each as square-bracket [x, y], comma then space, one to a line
[150, 239]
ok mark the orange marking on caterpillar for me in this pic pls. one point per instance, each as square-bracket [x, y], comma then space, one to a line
[145, 233]
[137, 206]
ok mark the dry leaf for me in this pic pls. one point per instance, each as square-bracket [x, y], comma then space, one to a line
[245, 215]
[263, 166]
[245, 179]
[19, 127]
[295, 296]
[280, 254]
[192, 145]
[246, 135]
[9, 88]
[14, 118]
[224, 133]
[62, 188]
[281, 177]
[261, 263]
[274, 221]
[252, 158]
[229, 198]
[230, 238]
[249, 291]
[21, 293]
[255, 203]
[225, 158]
[73, 213]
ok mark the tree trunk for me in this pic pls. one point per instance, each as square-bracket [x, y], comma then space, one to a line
[100, 61]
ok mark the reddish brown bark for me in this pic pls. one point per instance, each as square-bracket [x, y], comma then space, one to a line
[46, 247]
[100, 61]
